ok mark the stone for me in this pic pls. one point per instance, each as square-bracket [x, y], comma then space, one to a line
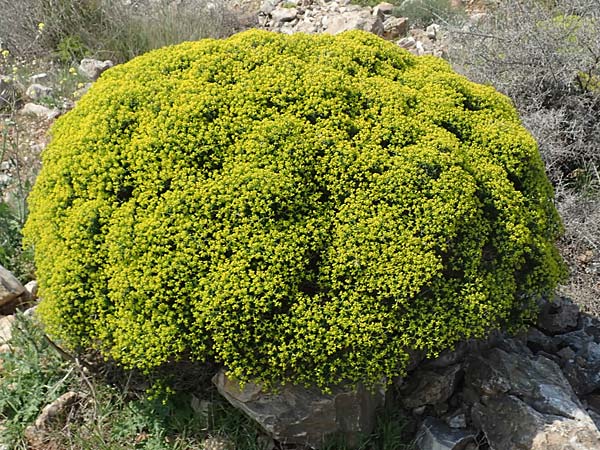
[93, 68]
[525, 402]
[6, 324]
[433, 31]
[395, 27]
[33, 109]
[32, 288]
[10, 287]
[384, 8]
[268, 6]
[281, 15]
[558, 316]
[38, 91]
[297, 415]
[566, 354]
[583, 380]
[434, 434]
[429, 387]
[538, 341]
[358, 20]
[457, 419]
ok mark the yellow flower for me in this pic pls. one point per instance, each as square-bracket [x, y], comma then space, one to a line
[5, 53]
[41, 26]
[72, 71]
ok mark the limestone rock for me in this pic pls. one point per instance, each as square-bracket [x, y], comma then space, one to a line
[429, 387]
[32, 288]
[38, 91]
[6, 324]
[384, 8]
[10, 287]
[355, 20]
[281, 15]
[33, 109]
[93, 68]
[297, 415]
[395, 27]
[436, 435]
[527, 404]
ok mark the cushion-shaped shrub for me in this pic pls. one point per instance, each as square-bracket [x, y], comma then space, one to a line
[302, 208]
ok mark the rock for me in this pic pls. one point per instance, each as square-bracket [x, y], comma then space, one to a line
[93, 68]
[38, 91]
[429, 387]
[436, 435]
[268, 6]
[538, 341]
[281, 15]
[457, 419]
[10, 287]
[6, 324]
[296, 415]
[359, 20]
[583, 380]
[433, 31]
[383, 8]
[395, 27]
[526, 403]
[40, 111]
[558, 316]
[32, 288]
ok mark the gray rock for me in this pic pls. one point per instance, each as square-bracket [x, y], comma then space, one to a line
[10, 287]
[433, 31]
[32, 109]
[38, 91]
[6, 324]
[32, 288]
[280, 15]
[93, 68]
[584, 380]
[434, 434]
[356, 20]
[384, 8]
[457, 419]
[297, 415]
[38, 77]
[558, 316]
[395, 27]
[429, 387]
[527, 403]
[537, 341]
[268, 6]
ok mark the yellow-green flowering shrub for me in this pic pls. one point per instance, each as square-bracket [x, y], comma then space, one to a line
[301, 208]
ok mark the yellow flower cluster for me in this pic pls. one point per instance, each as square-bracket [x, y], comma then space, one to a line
[299, 208]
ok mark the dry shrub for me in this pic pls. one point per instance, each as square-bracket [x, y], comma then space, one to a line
[546, 57]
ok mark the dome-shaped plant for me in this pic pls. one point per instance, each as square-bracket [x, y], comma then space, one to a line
[301, 208]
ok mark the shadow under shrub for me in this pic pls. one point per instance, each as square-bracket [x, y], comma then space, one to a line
[298, 208]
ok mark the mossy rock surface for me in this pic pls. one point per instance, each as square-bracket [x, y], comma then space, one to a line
[299, 208]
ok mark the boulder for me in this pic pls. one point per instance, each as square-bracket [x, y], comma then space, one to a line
[93, 68]
[10, 287]
[280, 15]
[558, 316]
[298, 415]
[355, 20]
[395, 27]
[526, 403]
[429, 387]
[6, 324]
[434, 434]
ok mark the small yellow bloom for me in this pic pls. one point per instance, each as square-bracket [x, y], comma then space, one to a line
[80, 85]
[41, 26]
[72, 71]
[5, 53]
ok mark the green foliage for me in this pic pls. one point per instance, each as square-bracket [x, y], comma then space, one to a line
[299, 208]
[33, 374]
[423, 13]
